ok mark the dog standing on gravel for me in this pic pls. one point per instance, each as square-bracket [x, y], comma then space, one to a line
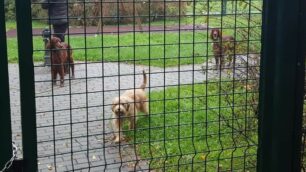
[61, 59]
[222, 46]
[126, 107]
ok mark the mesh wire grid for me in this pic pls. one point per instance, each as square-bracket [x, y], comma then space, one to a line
[303, 142]
[202, 115]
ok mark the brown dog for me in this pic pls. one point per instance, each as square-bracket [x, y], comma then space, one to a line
[222, 45]
[61, 59]
[126, 107]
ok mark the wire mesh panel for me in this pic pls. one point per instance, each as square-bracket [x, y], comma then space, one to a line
[303, 142]
[160, 85]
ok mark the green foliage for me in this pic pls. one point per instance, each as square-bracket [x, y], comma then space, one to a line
[79, 10]
[38, 12]
[9, 7]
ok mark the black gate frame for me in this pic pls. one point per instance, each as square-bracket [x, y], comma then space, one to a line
[5, 118]
[281, 90]
[27, 88]
[282, 85]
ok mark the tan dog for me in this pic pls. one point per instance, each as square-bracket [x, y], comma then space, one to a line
[126, 107]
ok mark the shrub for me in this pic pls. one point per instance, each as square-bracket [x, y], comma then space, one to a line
[9, 7]
[112, 14]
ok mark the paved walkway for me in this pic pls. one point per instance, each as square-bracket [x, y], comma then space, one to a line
[88, 108]
[81, 109]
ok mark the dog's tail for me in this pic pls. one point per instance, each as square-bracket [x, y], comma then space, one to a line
[70, 59]
[144, 84]
[69, 51]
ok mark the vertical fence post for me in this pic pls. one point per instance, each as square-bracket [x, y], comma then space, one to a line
[27, 93]
[5, 118]
[281, 86]
[224, 7]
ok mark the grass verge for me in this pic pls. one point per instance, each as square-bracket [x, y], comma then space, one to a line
[141, 48]
[11, 24]
[159, 49]
[195, 128]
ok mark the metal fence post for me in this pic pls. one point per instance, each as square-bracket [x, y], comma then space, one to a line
[224, 6]
[5, 118]
[27, 90]
[46, 34]
[281, 88]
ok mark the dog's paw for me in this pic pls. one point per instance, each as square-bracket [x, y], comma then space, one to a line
[216, 67]
[118, 139]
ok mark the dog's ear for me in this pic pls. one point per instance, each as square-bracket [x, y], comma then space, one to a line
[113, 106]
[115, 103]
[211, 34]
[127, 106]
[60, 45]
[58, 42]
[219, 33]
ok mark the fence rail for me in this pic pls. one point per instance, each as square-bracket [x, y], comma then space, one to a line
[190, 70]
[199, 118]
[5, 120]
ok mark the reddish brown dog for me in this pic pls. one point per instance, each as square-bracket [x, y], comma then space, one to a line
[61, 59]
[222, 46]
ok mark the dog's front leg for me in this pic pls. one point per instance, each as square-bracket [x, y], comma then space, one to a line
[146, 108]
[71, 64]
[132, 118]
[222, 61]
[132, 122]
[62, 74]
[72, 69]
[66, 68]
[230, 60]
[53, 75]
[217, 61]
[117, 130]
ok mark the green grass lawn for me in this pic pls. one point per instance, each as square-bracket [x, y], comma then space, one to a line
[140, 48]
[11, 24]
[203, 130]
[156, 49]
[148, 49]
